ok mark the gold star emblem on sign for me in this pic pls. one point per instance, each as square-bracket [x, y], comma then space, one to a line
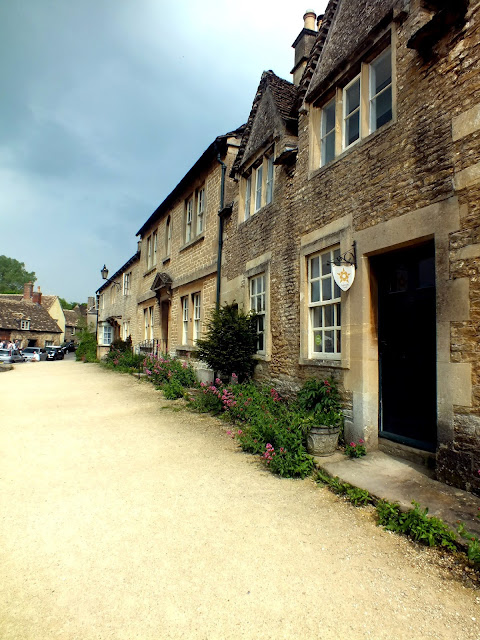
[343, 276]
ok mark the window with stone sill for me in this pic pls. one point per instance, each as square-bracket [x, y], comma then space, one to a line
[258, 305]
[184, 302]
[106, 334]
[324, 307]
[358, 108]
[197, 311]
[195, 207]
[258, 185]
[25, 325]
[127, 283]
[151, 257]
[168, 236]
[148, 319]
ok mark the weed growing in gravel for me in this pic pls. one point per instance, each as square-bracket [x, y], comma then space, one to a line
[358, 497]
[416, 524]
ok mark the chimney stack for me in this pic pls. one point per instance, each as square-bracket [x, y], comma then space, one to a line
[37, 296]
[28, 290]
[303, 45]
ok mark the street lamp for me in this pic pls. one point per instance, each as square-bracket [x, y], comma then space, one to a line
[104, 272]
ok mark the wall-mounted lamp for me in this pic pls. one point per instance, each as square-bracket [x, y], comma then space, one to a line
[104, 273]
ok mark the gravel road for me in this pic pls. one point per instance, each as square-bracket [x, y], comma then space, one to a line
[124, 517]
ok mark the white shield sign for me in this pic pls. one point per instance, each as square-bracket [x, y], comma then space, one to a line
[343, 275]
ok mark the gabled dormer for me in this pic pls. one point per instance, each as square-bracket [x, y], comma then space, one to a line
[270, 139]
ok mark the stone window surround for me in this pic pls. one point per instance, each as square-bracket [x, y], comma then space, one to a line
[358, 69]
[25, 325]
[255, 267]
[261, 159]
[192, 224]
[334, 234]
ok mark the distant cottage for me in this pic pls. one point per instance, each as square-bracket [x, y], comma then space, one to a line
[369, 160]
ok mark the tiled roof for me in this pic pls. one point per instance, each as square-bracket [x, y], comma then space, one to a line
[13, 311]
[48, 301]
[218, 146]
[352, 22]
[71, 317]
[284, 94]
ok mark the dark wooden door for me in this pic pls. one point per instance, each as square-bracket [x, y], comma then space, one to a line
[407, 345]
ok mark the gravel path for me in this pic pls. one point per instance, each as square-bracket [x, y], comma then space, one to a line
[123, 518]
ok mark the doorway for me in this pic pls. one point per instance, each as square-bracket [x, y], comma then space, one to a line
[407, 345]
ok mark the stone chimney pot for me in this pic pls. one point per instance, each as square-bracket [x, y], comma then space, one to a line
[28, 290]
[309, 20]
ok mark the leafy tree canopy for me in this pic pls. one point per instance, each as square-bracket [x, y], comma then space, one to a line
[13, 275]
[67, 305]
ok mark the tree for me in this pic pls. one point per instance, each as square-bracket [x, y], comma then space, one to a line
[67, 305]
[230, 342]
[13, 275]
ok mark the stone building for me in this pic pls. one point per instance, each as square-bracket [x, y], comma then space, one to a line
[29, 318]
[377, 162]
[370, 162]
[174, 274]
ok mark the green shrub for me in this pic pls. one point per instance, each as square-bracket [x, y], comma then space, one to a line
[319, 396]
[172, 389]
[268, 426]
[87, 347]
[230, 342]
[416, 524]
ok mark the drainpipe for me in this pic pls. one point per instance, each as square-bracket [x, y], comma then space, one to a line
[220, 228]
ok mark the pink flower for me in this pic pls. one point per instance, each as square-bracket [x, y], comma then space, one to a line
[352, 444]
[361, 441]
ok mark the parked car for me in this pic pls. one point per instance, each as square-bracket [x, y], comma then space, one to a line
[34, 354]
[68, 346]
[11, 356]
[55, 353]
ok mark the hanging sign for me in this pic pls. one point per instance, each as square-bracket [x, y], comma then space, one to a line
[344, 275]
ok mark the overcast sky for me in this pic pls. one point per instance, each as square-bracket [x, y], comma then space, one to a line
[106, 104]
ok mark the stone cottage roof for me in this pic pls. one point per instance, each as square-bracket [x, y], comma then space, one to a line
[13, 311]
[284, 95]
[120, 271]
[71, 317]
[218, 146]
[349, 23]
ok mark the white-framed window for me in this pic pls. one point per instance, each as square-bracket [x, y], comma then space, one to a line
[113, 294]
[25, 325]
[358, 109]
[151, 311]
[149, 252]
[127, 283]
[125, 330]
[168, 236]
[106, 334]
[351, 113]
[258, 184]
[258, 187]
[269, 183]
[74, 330]
[327, 137]
[200, 210]
[185, 320]
[248, 196]
[189, 220]
[197, 311]
[101, 301]
[48, 343]
[258, 304]
[154, 248]
[148, 319]
[380, 77]
[324, 302]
